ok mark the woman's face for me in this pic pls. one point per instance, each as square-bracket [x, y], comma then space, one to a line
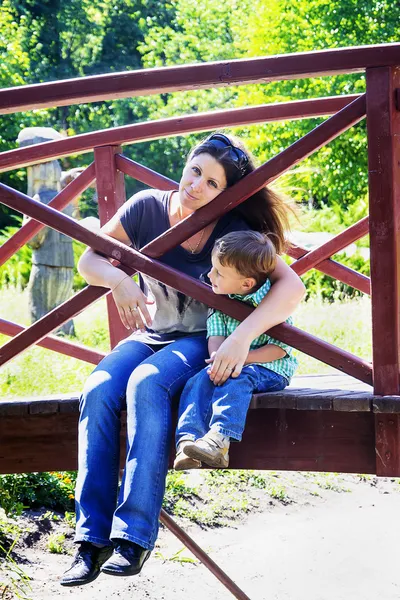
[203, 178]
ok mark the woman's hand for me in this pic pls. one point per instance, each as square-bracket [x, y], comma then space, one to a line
[228, 360]
[131, 304]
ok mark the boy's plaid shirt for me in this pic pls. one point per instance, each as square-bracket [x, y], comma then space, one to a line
[220, 324]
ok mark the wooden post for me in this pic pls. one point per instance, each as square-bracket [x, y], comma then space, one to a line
[383, 124]
[111, 196]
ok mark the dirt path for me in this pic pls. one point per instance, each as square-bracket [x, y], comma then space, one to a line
[336, 546]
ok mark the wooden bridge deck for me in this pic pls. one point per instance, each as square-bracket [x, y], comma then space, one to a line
[319, 423]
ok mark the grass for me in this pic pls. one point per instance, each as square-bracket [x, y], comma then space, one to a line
[14, 582]
[55, 543]
[218, 498]
[49, 372]
[346, 324]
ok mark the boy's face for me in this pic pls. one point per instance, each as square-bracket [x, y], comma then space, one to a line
[226, 280]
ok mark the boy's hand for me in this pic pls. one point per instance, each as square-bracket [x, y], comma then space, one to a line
[210, 361]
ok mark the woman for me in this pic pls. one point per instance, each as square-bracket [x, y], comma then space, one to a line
[145, 371]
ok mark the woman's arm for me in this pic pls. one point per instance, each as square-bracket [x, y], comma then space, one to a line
[284, 296]
[98, 270]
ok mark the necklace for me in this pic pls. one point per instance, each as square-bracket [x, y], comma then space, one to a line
[192, 250]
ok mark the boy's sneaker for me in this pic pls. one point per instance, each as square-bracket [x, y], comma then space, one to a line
[183, 462]
[212, 449]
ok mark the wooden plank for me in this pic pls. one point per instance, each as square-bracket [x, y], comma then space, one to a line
[353, 402]
[189, 77]
[111, 196]
[326, 250]
[43, 407]
[387, 445]
[273, 439]
[280, 400]
[56, 344]
[40, 442]
[306, 440]
[32, 227]
[386, 404]
[140, 132]
[311, 345]
[383, 126]
[69, 405]
[11, 408]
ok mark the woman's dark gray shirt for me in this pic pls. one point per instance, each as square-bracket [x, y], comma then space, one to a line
[144, 217]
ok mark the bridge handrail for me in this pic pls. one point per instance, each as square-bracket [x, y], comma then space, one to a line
[189, 77]
[380, 105]
[161, 128]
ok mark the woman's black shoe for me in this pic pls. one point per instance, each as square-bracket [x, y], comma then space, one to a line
[86, 565]
[128, 559]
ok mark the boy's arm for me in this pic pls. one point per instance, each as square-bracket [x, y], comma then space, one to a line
[265, 354]
[214, 342]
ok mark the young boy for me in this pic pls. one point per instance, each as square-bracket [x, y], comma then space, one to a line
[213, 415]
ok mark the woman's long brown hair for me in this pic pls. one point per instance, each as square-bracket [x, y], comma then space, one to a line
[266, 210]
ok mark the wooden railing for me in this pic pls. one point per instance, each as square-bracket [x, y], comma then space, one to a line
[378, 104]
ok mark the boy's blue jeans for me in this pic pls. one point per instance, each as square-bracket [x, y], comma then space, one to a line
[223, 408]
[145, 381]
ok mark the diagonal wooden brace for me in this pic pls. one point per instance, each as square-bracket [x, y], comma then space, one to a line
[311, 345]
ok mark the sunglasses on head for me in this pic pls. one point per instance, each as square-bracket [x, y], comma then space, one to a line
[240, 158]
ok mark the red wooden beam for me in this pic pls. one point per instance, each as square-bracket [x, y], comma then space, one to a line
[311, 345]
[387, 444]
[56, 344]
[144, 174]
[331, 268]
[336, 270]
[202, 556]
[139, 132]
[111, 196]
[31, 228]
[190, 77]
[314, 257]
[274, 438]
[383, 126]
[269, 171]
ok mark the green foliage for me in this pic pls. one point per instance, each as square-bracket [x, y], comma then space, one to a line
[15, 272]
[178, 557]
[334, 219]
[69, 518]
[338, 172]
[78, 248]
[17, 582]
[41, 41]
[322, 286]
[55, 543]
[176, 490]
[51, 490]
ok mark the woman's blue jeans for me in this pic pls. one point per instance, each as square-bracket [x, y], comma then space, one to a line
[204, 406]
[145, 381]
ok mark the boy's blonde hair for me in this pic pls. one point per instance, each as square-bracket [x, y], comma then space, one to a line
[251, 253]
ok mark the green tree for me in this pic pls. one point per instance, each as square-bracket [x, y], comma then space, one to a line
[338, 172]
